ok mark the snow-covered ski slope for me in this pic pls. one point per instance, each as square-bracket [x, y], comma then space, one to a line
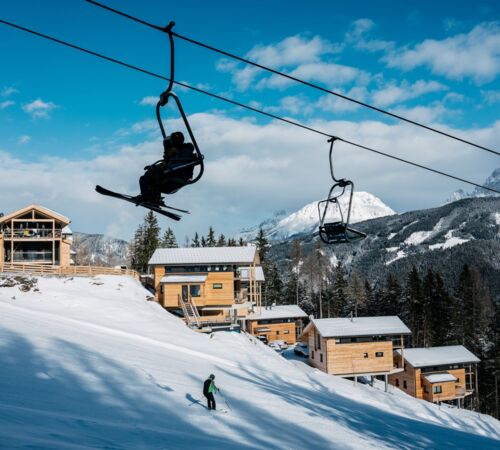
[89, 363]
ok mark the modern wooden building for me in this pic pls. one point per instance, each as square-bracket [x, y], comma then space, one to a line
[359, 346]
[35, 235]
[208, 285]
[437, 374]
[283, 322]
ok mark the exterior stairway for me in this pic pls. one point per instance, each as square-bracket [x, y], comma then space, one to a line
[190, 311]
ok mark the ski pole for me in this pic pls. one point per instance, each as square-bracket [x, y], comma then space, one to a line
[225, 401]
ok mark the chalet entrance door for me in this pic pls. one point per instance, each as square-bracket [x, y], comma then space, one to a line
[185, 293]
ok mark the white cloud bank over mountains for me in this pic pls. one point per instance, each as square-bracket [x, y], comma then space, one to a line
[252, 170]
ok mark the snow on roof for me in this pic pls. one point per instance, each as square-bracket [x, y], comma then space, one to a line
[436, 356]
[360, 326]
[440, 378]
[184, 279]
[259, 273]
[204, 255]
[277, 312]
[66, 230]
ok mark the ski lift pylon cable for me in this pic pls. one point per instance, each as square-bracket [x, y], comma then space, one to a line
[297, 80]
[242, 105]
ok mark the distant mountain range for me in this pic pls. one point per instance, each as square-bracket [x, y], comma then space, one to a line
[99, 250]
[493, 182]
[365, 206]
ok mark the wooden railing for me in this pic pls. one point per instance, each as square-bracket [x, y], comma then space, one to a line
[79, 271]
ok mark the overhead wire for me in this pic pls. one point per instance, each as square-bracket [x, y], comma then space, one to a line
[293, 78]
[242, 105]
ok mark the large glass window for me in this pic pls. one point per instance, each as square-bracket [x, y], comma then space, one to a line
[194, 290]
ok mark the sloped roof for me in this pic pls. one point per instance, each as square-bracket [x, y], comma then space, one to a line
[204, 255]
[440, 378]
[278, 312]
[39, 208]
[436, 356]
[359, 326]
[259, 273]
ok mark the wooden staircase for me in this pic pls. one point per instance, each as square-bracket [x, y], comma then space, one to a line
[190, 311]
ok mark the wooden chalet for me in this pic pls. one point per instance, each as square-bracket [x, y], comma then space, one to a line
[35, 235]
[208, 286]
[359, 346]
[437, 374]
[283, 322]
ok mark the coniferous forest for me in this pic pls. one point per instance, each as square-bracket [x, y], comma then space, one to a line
[437, 313]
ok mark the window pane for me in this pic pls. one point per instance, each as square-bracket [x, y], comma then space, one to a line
[194, 290]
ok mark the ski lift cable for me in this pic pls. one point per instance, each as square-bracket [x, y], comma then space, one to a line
[242, 105]
[293, 78]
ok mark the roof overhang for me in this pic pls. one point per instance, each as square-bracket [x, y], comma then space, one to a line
[40, 209]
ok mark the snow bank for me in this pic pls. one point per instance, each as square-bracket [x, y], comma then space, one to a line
[89, 363]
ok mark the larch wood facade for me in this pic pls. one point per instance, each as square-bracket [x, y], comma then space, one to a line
[357, 353]
[215, 287]
[35, 235]
[436, 382]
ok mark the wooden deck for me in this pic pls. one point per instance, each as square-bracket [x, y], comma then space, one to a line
[78, 271]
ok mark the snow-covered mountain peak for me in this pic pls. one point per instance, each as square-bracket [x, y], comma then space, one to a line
[492, 182]
[365, 206]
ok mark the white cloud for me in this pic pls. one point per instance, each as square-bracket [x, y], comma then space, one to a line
[491, 96]
[393, 93]
[6, 104]
[7, 91]
[39, 109]
[291, 51]
[358, 37]
[330, 74]
[251, 170]
[473, 55]
[334, 104]
[150, 100]
[425, 114]
[24, 139]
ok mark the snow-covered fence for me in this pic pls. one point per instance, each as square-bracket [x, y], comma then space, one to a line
[83, 271]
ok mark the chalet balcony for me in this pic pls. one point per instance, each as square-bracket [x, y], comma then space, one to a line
[32, 233]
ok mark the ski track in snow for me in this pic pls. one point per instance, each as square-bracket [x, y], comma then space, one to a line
[97, 366]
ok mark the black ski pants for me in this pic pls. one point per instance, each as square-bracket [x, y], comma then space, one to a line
[210, 400]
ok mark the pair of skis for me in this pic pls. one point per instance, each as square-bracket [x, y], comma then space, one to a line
[138, 202]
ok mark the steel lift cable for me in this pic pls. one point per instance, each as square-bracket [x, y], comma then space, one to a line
[242, 105]
[297, 80]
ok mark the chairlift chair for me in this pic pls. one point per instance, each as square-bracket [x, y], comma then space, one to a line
[176, 169]
[337, 232]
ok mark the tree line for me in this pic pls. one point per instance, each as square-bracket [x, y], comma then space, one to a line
[148, 237]
[435, 313]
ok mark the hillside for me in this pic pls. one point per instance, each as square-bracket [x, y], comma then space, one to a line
[89, 363]
[99, 250]
[444, 238]
[365, 206]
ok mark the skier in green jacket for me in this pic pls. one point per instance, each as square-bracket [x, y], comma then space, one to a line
[209, 389]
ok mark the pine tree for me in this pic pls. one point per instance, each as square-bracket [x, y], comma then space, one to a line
[274, 286]
[392, 297]
[221, 242]
[231, 242]
[291, 289]
[370, 299]
[169, 240]
[441, 313]
[203, 242]
[196, 241]
[356, 299]
[241, 242]
[412, 310]
[429, 298]
[340, 306]
[211, 242]
[151, 239]
[262, 246]
[137, 249]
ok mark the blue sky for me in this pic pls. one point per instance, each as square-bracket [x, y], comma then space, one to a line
[69, 121]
